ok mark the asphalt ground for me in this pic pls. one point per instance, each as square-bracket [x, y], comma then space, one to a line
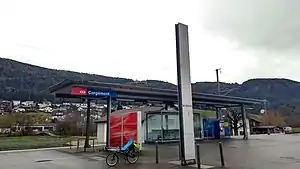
[258, 152]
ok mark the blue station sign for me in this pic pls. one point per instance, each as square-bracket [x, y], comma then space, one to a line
[93, 92]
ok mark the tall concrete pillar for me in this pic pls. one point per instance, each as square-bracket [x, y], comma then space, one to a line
[185, 106]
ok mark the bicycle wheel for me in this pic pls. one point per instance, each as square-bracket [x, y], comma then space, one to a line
[132, 157]
[112, 159]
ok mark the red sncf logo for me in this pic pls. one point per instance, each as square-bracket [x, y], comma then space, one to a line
[79, 91]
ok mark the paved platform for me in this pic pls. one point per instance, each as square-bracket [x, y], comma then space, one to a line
[52, 159]
[259, 152]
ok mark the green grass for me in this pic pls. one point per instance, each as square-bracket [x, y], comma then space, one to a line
[296, 130]
[206, 113]
[31, 142]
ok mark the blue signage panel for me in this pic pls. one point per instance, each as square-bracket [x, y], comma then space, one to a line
[211, 128]
[101, 93]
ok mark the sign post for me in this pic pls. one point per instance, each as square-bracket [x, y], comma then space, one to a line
[187, 138]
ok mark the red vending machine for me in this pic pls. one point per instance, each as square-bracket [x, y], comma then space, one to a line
[124, 126]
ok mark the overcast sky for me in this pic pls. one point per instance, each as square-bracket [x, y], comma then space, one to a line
[136, 38]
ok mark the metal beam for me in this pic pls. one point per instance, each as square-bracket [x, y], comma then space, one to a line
[142, 93]
[148, 99]
[228, 106]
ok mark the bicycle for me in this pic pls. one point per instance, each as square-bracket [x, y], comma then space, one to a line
[130, 152]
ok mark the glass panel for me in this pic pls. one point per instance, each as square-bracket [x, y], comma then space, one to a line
[170, 127]
[154, 127]
[197, 126]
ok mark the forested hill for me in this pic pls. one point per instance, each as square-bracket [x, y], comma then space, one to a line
[20, 81]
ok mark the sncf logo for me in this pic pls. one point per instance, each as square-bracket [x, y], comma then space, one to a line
[79, 91]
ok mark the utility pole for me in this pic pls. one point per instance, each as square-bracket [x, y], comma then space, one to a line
[265, 105]
[218, 82]
[266, 114]
[218, 91]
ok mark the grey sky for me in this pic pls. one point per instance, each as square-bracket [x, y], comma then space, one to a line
[266, 29]
[135, 39]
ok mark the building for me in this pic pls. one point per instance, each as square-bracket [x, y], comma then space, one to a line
[252, 122]
[46, 127]
[267, 129]
[107, 93]
[19, 110]
[27, 104]
[16, 103]
[162, 125]
[46, 109]
[5, 107]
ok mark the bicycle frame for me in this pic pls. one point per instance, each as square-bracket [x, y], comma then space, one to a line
[129, 150]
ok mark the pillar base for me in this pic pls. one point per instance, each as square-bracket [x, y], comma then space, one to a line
[87, 146]
[185, 162]
[202, 165]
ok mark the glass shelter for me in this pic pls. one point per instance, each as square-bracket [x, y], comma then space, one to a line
[164, 126]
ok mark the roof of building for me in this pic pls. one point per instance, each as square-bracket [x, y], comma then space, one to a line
[135, 93]
[256, 117]
[155, 109]
[266, 127]
[146, 109]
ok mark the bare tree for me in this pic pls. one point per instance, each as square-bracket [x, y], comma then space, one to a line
[273, 117]
[234, 116]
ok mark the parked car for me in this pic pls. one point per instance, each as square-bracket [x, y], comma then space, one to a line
[287, 130]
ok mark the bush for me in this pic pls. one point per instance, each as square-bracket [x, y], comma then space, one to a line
[67, 128]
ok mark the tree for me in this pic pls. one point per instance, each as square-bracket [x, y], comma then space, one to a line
[39, 118]
[293, 121]
[25, 121]
[274, 118]
[234, 116]
[64, 128]
[6, 121]
[72, 125]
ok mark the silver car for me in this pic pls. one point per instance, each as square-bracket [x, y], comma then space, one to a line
[287, 130]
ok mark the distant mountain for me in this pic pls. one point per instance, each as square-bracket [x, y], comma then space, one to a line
[21, 81]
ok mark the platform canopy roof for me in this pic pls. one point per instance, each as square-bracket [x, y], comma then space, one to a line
[98, 90]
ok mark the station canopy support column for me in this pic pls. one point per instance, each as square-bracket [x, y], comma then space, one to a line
[108, 112]
[217, 113]
[244, 122]
[88, 116]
